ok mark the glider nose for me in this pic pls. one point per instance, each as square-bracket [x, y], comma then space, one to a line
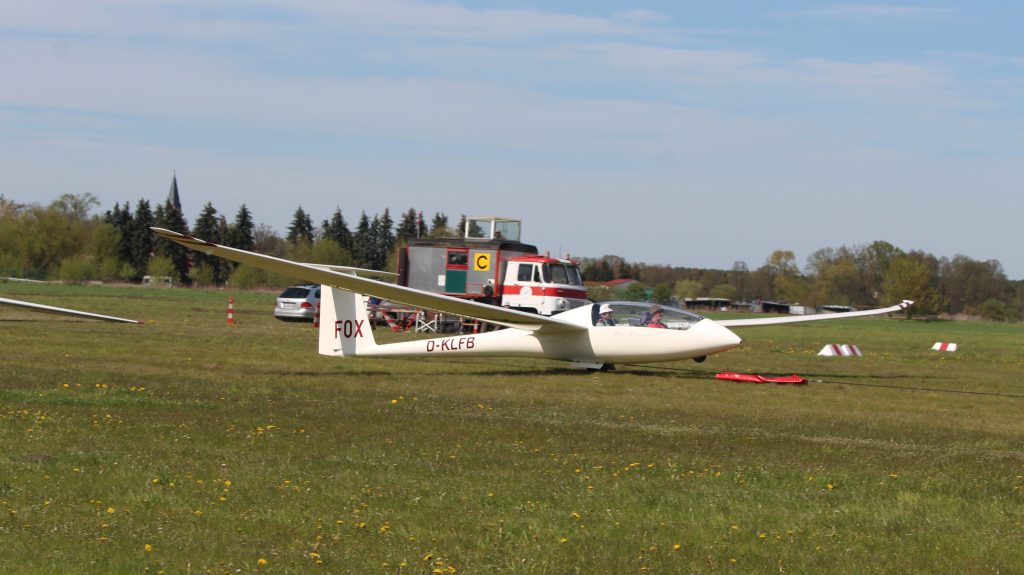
[719, 338]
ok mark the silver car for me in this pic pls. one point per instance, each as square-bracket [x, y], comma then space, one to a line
[298, 303]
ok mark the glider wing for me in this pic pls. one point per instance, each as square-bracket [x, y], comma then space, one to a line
[63, 311]
[400, 294]
[812, 317]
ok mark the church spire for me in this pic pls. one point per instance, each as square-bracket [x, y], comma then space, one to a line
[173, 198]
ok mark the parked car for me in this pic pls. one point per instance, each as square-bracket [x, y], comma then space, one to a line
[298, 303]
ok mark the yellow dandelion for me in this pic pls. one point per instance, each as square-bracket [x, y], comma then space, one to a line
[563, 539]
[677, 547]
[111, 510]
[261, 562]
[147, 548]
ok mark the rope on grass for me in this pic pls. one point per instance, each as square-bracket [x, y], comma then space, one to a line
[861, 384]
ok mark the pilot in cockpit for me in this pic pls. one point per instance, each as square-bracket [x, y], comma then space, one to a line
[605, 315]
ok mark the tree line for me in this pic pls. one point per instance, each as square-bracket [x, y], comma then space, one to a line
[877, 274]
[66, 240]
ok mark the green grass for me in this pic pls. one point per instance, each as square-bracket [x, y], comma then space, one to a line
[217, 447]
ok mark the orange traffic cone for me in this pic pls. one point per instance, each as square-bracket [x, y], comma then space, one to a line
[231, 310]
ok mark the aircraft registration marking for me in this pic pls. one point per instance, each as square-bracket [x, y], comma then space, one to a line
[450, 344]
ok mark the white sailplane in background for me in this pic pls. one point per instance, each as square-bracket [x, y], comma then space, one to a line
[574, 336]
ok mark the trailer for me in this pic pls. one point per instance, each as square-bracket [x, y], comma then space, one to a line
[490, 264]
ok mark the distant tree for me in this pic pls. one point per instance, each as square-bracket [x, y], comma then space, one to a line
[208, 269]
[170, 217]
[662, 293]
[122, 222]
[140, 237]
[724, 291]
[407, 227]
[601, 293]
[104, 250]
[634, 292]
[911, 277]
[336, 229]
[786, 280]
[997, 310]
[739, 278]
[240, 234]
[439, 226]
[967, 283]
[874, 263]
[327, 251]
[362, 242]
[9, 208]
[839, 282]
[686, 289]
[266, 241]
[385, 237]
[301, 228]
[597, 270]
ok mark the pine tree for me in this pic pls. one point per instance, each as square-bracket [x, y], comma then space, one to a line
[140, 238]
[172, 219]
[301, 228]
[122, 222]
[439, 227]
[361, 242]
[408, 227]
[385, 239]
[240, 233]
[336, 229]
[208, 227]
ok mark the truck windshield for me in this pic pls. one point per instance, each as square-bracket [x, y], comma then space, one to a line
[562, 274]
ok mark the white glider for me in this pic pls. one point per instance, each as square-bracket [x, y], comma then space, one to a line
[571, 336]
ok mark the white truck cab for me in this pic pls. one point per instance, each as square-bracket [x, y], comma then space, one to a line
[543, 285]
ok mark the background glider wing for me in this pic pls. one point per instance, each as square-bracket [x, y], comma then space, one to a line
[409, 296]
[813, 317]
[357, 271]
[63, 311]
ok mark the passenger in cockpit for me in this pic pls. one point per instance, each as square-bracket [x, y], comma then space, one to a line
[655, 320]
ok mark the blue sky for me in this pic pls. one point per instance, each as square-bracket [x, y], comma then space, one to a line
[680, 133]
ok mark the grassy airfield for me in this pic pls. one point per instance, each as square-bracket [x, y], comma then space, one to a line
[187, 446]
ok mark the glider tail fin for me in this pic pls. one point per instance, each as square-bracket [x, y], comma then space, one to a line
[344, 324]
